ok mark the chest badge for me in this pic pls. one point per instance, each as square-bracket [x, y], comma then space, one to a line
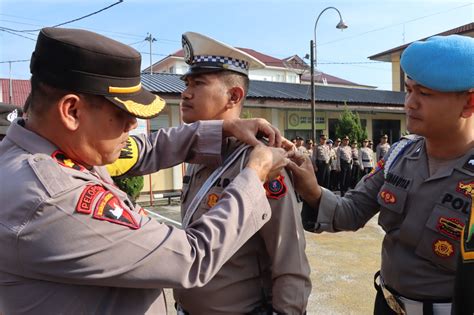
[443, 248]
[212, 200]
[276, 188]
[388, 197]
[451, 227]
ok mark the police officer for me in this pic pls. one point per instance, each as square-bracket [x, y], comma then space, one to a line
[344, 165]
[422, 187]
[366, 156]
[355, 173]
[270, 273]
[72, 242]
[382, 147]
[322, 158]
[8, 113]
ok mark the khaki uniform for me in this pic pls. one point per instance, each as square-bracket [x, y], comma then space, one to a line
[72, 243]
[344, 165]
[273, 260]
[366, 156]
[422, 215]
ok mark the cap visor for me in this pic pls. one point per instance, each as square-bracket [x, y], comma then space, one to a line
[143, 104]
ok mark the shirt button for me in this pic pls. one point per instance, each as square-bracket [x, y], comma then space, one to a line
[37, 159]
[264, 216]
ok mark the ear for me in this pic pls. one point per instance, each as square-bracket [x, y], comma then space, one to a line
[70, 107]
[236, 95]
[468, 109]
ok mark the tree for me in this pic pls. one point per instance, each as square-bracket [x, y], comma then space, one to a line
[131, 185]
[349, 125]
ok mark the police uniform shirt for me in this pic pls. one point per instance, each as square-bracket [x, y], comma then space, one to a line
[322, 153]
[344, 152]
[366, 156]
[422, 216]
[278, 249]
[355, 156]
[333, 157]
[73, 243]
[381, 150]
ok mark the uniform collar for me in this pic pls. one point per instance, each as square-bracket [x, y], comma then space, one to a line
[28, 140]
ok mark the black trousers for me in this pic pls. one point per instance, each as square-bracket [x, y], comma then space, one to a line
[322, 174]
[334, 180]
[345, 179]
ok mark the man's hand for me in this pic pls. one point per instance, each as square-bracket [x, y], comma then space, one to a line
[248, 130]
[304, 179]
[267, 162]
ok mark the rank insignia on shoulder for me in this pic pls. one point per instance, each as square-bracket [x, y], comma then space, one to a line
[469, 165]
[388, 197]
[212, 200]
[63, 160]
[87, 198]
[109, 208]
[443, 248]
[276, 188]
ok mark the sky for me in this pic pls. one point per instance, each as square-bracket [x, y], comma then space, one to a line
[274, 27]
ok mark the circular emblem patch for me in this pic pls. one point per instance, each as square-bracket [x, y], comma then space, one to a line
[276, 188]
[443, 248]
[388, 197]
[187, 49]
[212, 199]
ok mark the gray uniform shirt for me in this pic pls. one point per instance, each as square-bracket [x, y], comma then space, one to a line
[72, 243]
[366, 156]
[422, 217]
[272, 261]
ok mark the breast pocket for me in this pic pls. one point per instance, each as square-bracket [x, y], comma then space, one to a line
[392, 204]
[441, 236]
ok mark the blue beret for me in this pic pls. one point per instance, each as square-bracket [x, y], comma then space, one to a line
[441, 63]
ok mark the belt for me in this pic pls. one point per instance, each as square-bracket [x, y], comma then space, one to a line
[364, 160]
[405, 306]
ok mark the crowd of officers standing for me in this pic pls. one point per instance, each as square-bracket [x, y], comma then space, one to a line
[340, 164]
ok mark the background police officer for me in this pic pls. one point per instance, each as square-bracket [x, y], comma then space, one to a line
[422, 187]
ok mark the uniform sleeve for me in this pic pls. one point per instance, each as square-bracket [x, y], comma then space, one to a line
[285, 243]
[197, 143]
[70, 247]
[348, 213]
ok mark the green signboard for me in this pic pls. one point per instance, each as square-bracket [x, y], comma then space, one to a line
[301, 120]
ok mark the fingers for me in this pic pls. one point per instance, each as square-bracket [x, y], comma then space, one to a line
[287, 144]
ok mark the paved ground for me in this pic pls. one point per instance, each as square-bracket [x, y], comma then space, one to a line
[342, 267]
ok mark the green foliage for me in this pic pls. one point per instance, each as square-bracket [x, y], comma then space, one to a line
[246, 114]
[349, 125]
[131, 185]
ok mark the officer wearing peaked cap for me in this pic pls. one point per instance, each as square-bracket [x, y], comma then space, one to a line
[269, 274]
[423, 187]
[71, 241]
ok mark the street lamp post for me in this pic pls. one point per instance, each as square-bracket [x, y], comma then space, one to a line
[313, 55]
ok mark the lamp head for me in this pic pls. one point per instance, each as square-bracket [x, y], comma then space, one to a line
[341, 25]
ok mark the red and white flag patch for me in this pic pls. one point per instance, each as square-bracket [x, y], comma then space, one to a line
[109, 208]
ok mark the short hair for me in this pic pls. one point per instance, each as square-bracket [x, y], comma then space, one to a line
[43, 96]
[231, 79]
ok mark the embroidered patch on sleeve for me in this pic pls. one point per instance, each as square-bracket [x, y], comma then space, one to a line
[88, 195]
[127, 159]
[63, 160]
[276, 188]
[467, 238]
[109, 208]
